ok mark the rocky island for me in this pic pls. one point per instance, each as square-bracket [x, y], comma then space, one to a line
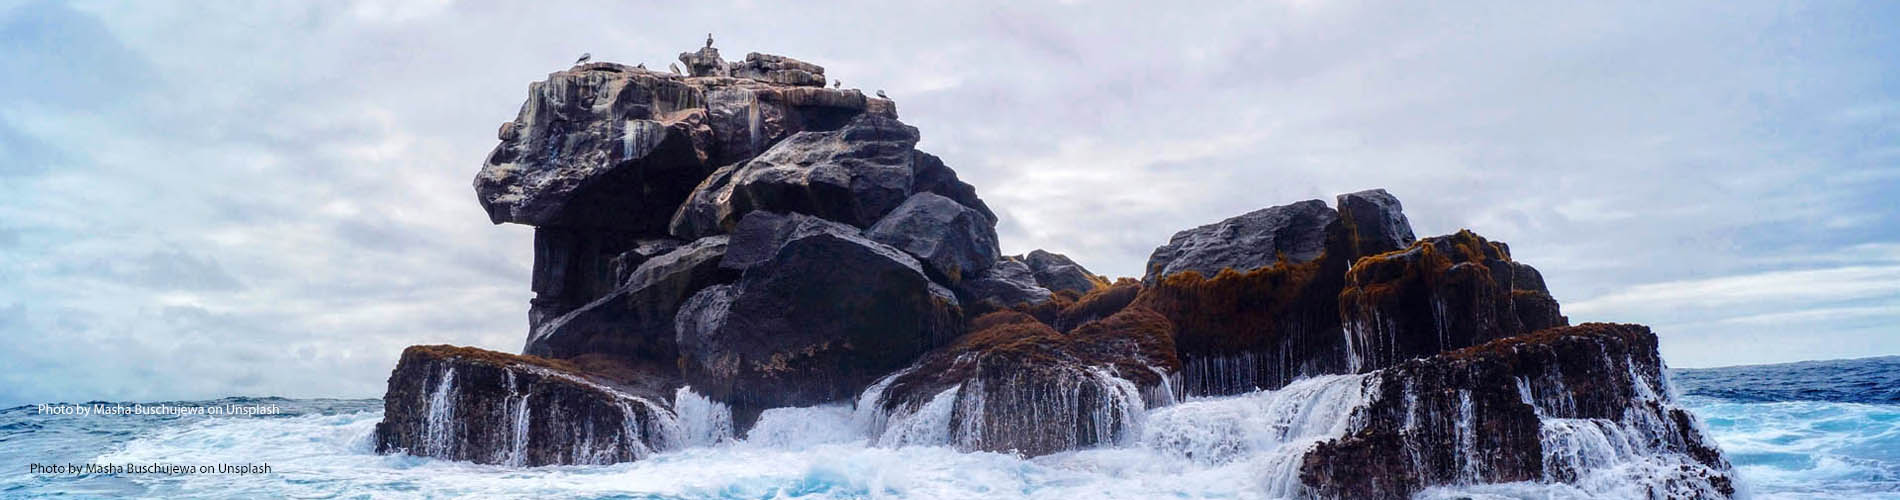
[738, 238]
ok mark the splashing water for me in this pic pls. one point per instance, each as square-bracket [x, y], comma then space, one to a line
[1244, 446]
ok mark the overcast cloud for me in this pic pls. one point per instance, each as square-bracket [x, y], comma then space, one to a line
[255, 198]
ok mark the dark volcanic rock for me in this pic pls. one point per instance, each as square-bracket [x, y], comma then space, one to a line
[1535, 308]
[1266, 324]
[462, 403]
[1006, 284]
[1056, 272]
[1252, 240]
[931, 176]
[777, 243]
[572, 268]
[601, 146]
[952, 239]
[853, 175]
[704, 62]
[1551, 407]
[643, 250]
[1442, 293]
[1260, 329]
[1376, 221]
[1252, 323]
[779, 69]
[747, 119]
[815, 320]
[1015, 385]
[698, 216]
[602, 158]
[635, 321]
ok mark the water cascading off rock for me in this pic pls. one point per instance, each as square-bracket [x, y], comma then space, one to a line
[741, 255]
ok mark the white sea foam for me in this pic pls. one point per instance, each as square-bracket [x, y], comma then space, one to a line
[701, 421]
[1245, 446]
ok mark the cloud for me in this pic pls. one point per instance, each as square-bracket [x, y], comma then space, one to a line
[284, 189]
[1766, 289]
[1837, 304]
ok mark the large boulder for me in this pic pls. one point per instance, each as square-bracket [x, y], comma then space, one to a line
[930, 175]
[853, 170]
[463, 403]
[1015, 385]
[635, 321]
[1583, 405]
[1295, 232]
[1007, 283]
[1440, 294]
[819, 313]
[600, 146]
[1057, 272]
[1253, 298]
[643, 249]
[1375, 220]
[853, 175]
[952, 240]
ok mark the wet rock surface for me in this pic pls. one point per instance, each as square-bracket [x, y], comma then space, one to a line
[1016, 385]
[1566, 405]
[744, 238]
[817, 316]
[1439, 294]
[463, 403]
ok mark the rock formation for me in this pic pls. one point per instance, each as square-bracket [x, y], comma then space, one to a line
[1561, 406]
[1296, 233]
[1056, 272]
[743, 238]
[819, 314]
[1441, 293]
[482, 406]
[1013, 384]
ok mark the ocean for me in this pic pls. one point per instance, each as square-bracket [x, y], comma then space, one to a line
[1828, 429]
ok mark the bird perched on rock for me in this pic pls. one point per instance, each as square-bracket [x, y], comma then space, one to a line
[880, 94]
[674, 67]
[836, 84]
[709, 39]
[584, 58]
[641, 65]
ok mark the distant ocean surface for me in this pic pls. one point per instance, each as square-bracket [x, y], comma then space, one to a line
[1815, 429]
[1827, 429]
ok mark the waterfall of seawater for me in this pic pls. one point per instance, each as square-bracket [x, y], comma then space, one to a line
[1640, 454]
[1265, 433]
[437, 432]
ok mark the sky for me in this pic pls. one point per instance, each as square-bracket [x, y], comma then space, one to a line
[207, 199]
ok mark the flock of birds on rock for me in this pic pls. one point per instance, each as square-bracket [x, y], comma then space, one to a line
[588, 56]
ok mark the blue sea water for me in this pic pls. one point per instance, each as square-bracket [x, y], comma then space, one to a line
[1808, 430]
[1816, 429]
